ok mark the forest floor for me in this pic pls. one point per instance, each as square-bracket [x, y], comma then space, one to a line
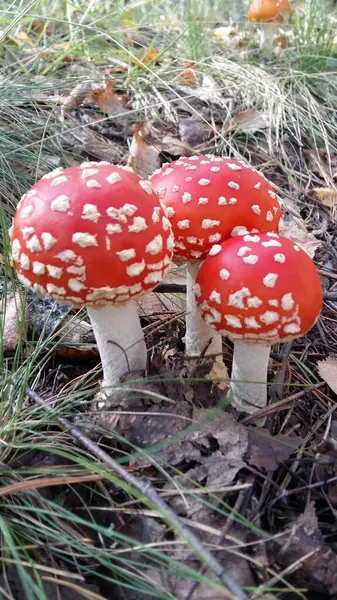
[141, 84]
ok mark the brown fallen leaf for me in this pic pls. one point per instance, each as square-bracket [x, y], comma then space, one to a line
[107, 100]
[317, 572]
[328, 371]
[328, 197]
[248, 121]
[149, 55]
[296, 231]
[267, 452]
[143, 155]
[15, 321]
[188, 77]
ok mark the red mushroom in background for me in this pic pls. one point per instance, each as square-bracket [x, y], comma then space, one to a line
[206, 198]
[270, 14]
[95, 235]
[257, 290]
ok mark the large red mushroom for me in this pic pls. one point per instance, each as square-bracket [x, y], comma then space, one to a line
[95, 235]
[257, 289]
[207, 197]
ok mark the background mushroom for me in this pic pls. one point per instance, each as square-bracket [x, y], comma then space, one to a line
[206, 198]
[270, 14]
[95, 235]
[257, 290]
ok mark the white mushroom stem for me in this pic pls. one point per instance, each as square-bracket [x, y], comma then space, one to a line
[248, 391]
[120, 340]
[266, 35]
[198, 333]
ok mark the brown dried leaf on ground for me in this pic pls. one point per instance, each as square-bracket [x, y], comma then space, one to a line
[248, 121]
[107, 100]
[143, 155]
[14, 314]
[328, 371]
[296, 231]
[304, 544]
[328, 197]
[267, 452]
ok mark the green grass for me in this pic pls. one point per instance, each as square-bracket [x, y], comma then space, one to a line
[297, 93]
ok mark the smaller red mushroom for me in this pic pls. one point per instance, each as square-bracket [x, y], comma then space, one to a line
[257, 289]
[206, 198]
[95, 235]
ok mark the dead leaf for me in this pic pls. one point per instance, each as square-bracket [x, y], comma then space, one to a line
[318, 572]
[267, 452]
[21, 39]
[296, 231]
[328, 371]
[107, 100]
[248, 121]
[15, 321]
[188, 77]
[143, 155]
[328, 197]
[149, 55]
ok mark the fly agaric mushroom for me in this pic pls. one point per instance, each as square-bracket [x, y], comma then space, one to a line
[95, 235]
[206, 198]
[270, 14]
[257, 290]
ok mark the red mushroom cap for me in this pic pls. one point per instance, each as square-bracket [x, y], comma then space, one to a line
[91, 234]
[208, 196]
[260, 288]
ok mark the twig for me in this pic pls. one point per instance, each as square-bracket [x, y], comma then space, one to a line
[146, 489]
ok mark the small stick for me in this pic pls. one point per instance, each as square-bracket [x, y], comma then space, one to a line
[146, 489]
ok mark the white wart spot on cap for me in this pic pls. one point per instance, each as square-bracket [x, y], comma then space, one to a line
[155, 266]
[54, 289]
[155, 246]
[269, 216]
[170, 211]
[61, 203]
[291, 328]
[216, 237]
[224, 274]
[112, 228]
[251, 238]
[257, 186]
[53, 173]
[273, 302]
[24, 261]
[156, 214]
[297, 248]
[26, 211]
[91, 212]
[256, 209]
[251, 323]
[184, 224]
[58, 180]
[186, 197]
[55, 272]
[233, 200]
[135, 269]
[128, 209]
[165, 223]
[251, 259]
[203, 201]
[269, 317]
[254, 302]
[188, 179]
[215, 250]
[84, 239]
[175, 188]
[196, 253]
[237, 298]
[233, 185]
[279, 258]
[27, 232]
[33, 244]
[287, 301]
[38, 268]
[234, 166]
[215, 297]
[93, 183]
[209, 223]
[154, 277]
[89, 173]
[215, 169]
[204, 181]
[66, 255]
[126, 254]
[146, 186]
[271, 194]
[75, 285]
[233, 321]
[167, 171]
[243, 250]
[197, 290]
[113, 178]
[270, 280]
[139, 224]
